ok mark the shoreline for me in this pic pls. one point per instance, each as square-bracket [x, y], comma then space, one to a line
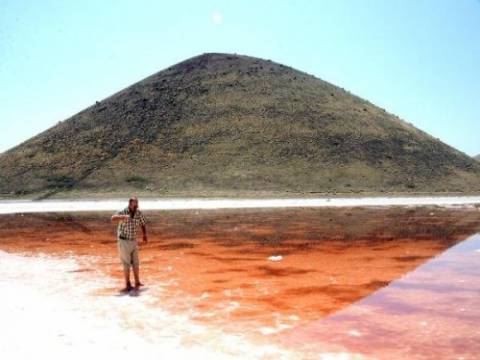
[151, 195]
[75, 205]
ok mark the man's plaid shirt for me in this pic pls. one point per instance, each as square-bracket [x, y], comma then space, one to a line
[127, 229]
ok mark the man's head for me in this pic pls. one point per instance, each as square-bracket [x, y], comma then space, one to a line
[133, 204]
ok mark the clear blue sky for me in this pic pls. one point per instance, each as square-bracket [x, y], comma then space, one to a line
[417, 59]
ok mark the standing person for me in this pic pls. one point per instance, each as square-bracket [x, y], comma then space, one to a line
[128, 221]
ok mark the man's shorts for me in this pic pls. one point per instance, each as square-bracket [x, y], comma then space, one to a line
[128, 250]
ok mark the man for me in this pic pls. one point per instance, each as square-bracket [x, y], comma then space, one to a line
[128, 221]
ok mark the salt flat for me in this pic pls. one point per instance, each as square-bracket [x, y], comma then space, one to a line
[50, 312]
[27, 206]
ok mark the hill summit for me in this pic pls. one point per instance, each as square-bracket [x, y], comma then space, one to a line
[225, 124]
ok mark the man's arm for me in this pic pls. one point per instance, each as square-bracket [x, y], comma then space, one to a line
[117, 218]
[144, 230]
[143, 223]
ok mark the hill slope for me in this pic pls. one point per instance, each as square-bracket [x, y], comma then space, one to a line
[477, 157]
[230, 124]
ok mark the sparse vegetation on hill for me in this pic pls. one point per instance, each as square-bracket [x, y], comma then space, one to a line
[229, 124]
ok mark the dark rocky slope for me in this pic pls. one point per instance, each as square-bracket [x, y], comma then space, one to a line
[230, 124]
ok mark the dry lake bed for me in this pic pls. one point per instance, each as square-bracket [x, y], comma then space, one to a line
[354, 282]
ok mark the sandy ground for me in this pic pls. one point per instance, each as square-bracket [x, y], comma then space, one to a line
[245, 283]
[24, 206]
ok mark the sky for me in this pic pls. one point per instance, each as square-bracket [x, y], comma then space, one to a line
[418, 59]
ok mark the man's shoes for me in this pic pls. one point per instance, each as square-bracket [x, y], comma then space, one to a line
[126, 289]
[137, 285]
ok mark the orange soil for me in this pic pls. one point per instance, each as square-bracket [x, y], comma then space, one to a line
[213, 264]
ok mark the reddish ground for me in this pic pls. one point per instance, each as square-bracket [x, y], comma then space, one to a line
[214, 264]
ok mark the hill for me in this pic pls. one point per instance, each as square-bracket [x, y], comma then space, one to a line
[223, 124]
[477, 157]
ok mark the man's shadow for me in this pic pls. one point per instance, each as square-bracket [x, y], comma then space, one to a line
[132, 292]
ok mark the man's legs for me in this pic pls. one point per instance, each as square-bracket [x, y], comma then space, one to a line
[126, 273]
[136, 266]
[136, 272]
[126, 262]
